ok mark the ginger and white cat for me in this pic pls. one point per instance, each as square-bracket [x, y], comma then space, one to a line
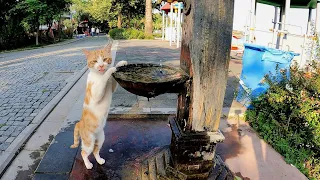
[100, 86]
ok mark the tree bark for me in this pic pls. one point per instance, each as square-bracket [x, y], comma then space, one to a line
[205, 55]
[37, 33]
[59, 28]
[37, 36]
[119, 23]
[148, 17]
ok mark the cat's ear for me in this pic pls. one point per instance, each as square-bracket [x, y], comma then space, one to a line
[86, 52]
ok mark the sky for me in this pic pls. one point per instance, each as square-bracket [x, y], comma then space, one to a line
[265, 14]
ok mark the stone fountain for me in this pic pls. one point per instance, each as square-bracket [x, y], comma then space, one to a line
[200, 83]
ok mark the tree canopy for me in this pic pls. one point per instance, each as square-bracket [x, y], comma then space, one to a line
[111, 11]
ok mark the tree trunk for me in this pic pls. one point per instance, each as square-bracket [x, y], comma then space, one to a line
[59, 29]
[148, 17]
[119, 24]
[205, 55]
[37, 35]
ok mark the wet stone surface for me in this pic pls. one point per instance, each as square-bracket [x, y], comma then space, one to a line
[30, 79]
[129, 139]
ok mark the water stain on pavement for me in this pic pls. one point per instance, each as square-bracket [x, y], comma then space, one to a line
[36, 156]
[129, 140]
[231, 146]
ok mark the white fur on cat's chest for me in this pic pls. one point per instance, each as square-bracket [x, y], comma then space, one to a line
[100, 109]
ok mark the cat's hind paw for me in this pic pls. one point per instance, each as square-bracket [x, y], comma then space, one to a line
[122, 63]
[74, 145]
[88, 165]
[101, 161]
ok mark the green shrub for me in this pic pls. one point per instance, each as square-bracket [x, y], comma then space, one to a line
[157, 35]
[128, 34]
[288, 118]
[68, 33]
[117, 33]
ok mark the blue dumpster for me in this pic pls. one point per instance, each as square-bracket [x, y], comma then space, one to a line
[258, 61]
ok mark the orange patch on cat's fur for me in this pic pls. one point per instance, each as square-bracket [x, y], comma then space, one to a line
[85, 127]
[88, 93]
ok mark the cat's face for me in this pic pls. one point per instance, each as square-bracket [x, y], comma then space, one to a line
[99, 60]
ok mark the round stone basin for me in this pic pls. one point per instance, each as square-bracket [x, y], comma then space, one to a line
[149, 80]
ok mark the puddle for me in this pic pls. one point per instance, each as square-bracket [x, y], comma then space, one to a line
[45, 146]
[231, 146]
[129, 140]
[29, 173]
[36, 156]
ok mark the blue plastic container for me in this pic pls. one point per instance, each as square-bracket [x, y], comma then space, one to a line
[258, 61]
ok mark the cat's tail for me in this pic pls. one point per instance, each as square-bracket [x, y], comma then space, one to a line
[75, 136]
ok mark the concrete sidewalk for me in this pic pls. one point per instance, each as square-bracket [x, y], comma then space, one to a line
[159, 52]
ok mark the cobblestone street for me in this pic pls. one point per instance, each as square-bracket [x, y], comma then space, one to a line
[30, 79]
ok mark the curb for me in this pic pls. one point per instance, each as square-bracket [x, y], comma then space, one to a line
[9, 154]
[137, 113]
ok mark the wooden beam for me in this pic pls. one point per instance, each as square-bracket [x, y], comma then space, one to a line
[205, 55]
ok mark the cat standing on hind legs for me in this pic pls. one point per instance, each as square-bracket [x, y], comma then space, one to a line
[100, 86]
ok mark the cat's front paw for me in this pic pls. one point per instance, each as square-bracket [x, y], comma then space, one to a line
[122, 63]
[112, 70]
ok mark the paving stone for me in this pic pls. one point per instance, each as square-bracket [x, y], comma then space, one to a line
[2, 122]
[22, 110]
[9, 131]
[3, 138]
[16, 133]
[19, 119]
[5, 118]
[4, 146]
[10, 122]
[29, 110]
[12, 118]
[19, 123]
[29, 118]
[33, 114]
[37, 110]
[26, 114]
[10, 139]
[12, 114]
[10, 110]
[20, 128]
[3, 128]
[35, 106]
[36, 103]
[19, 114]
[27, 106]
[42, 106]
[4, 112]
